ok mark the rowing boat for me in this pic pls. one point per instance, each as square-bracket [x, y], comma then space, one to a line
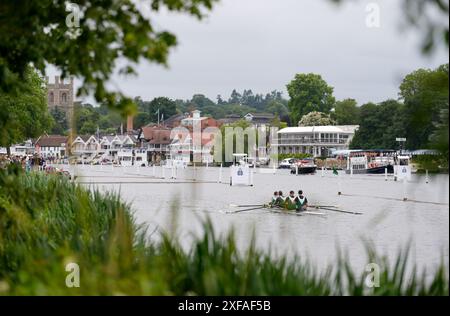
[287, 212]
[281, 210]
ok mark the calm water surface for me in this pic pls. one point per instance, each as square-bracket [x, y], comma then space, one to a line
[387, 221]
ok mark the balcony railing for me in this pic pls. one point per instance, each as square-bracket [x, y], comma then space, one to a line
[303, 141]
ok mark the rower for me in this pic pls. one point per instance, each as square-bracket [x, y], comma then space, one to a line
[274, 199]
[301, 202]
[290, 203]
[280, 200]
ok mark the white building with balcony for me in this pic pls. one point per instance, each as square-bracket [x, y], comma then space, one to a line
[318, 141]
[23, 149]
[91, 148]
[183, 148]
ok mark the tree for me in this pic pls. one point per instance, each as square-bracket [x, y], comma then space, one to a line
[248, 98]
[235, 97]
[24, 112]
[88, 128]
[109, 121]
[308, 93]
[166, 107]
[141, 119]
[86, 42]
[214, 111]
[278, 108]
[346, 112]
[84, 113]
[220, 101]
[440, 138]
[316, 119]
[200, 101]
[425, 93]
[380, 125]
[238, 109]
[60, 124]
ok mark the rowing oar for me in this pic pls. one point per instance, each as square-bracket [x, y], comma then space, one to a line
[340, 211]
[249, 209]
[317, 206]
[250, 205]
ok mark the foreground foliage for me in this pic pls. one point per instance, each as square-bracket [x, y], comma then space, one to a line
[47, 222]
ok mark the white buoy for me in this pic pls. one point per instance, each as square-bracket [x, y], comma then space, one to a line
[351, 171]
[426, 177]
[323, 171]
[274, 168]
[296, 170]
[385, 174]
[405, 194]
[339, 184]
[220, 173]
[163, 172]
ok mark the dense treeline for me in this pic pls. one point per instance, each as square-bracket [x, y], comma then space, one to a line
[420, 113]
[90, 119]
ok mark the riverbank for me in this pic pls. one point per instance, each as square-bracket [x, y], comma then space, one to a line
[431, 164]
[49, 223]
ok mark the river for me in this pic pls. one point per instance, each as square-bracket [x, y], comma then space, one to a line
[388, 222]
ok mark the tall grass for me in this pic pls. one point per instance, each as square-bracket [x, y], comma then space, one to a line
[47, 222]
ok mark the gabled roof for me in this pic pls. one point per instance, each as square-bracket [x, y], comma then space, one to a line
[92, 138]
[268, 116]
[124, 138]
[85, 138]
[107, 139]
[161, 137]
[149, 132]
[187, 138]
[51, 141]
[172, 120]
[78, 139]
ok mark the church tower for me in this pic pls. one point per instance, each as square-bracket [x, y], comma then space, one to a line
[60, 95]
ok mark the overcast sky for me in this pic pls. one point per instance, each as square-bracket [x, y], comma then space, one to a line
[262, 44]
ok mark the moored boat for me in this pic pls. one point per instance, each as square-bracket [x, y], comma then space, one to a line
[304, 166]
[371, 162]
